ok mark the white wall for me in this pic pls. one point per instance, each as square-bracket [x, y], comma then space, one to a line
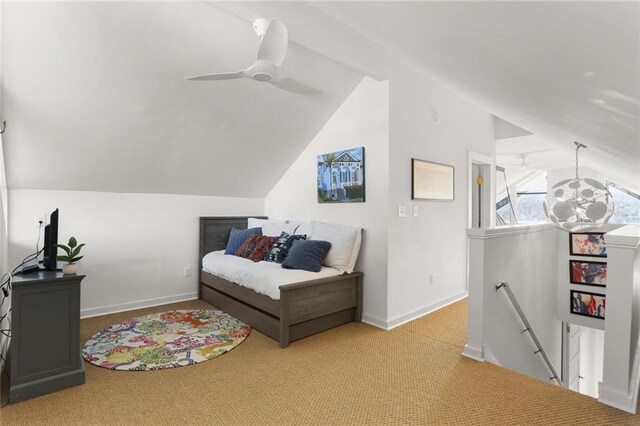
[137, 244]
[4, 246]
[525, 257]
[621, 370]
[361, 121]
[4, 307]
[434, 242]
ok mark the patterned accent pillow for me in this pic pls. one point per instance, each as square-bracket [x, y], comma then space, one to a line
[262, 248]
[248, 246]
[281, 246]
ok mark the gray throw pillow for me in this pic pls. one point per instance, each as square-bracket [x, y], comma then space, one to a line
[307, 255]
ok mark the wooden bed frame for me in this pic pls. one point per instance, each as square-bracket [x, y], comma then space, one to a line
[304, 308]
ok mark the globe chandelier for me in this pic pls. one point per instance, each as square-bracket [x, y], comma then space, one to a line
[575, 204]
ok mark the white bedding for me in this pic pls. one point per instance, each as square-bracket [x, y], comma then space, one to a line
[262, 277]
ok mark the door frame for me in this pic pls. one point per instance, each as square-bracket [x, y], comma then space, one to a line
[488, 194]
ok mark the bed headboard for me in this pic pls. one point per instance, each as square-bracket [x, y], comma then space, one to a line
[214, 231]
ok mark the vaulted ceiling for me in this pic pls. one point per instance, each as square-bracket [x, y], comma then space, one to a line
[562, 70]
[99, 86]
[95, 98]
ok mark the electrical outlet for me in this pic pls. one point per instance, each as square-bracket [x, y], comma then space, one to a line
[432, 279]
[415, 211]
[187, 271]
[402, 211]
[40, 220]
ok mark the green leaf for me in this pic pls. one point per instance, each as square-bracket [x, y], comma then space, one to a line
[75, 259]
[73, 242]
[63, 258]
[77, 250]
[65, 248]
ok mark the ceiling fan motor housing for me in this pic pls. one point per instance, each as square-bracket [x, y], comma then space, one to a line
[262, 71]
[261, 76]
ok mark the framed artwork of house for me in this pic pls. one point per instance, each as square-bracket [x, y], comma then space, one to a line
[341, 176]
[431, 181]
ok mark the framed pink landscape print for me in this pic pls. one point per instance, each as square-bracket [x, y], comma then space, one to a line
[431, 181]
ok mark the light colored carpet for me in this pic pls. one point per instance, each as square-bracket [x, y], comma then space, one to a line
[354, 374]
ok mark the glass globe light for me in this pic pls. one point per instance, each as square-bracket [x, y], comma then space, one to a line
[575, 204]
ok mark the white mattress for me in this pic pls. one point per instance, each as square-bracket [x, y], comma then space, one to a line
[262, 277]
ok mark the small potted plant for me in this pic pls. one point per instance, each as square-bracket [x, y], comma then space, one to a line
[72, 250]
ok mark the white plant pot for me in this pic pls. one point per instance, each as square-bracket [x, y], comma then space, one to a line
[70, 268]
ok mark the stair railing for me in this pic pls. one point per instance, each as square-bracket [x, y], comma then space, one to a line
[528, 329]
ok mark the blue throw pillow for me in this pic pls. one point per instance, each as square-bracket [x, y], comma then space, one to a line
[307, 255]
[280, 248]
[238, 236]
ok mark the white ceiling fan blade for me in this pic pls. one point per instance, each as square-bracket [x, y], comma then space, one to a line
[273, 47]
[219, 76]
[290, 85]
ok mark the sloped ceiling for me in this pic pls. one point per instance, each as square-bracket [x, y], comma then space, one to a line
[562, 70]
[95, 99]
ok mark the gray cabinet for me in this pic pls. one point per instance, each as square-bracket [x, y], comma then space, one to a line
[44, 353]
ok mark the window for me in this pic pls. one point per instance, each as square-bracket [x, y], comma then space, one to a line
[530, 196]
[627, 205]
[503, 207]
[530, 193]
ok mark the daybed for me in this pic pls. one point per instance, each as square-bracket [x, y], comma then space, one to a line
[304, 308]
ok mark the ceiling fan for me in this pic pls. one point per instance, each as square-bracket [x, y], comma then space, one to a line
[523, 164]
[271, 54]
[522, 156]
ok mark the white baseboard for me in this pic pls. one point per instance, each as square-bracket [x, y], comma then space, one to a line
[148, 303]
[626, 401]
[403, 319]
[398, 321]
[376, 322]
[617, 400]
[473, 353]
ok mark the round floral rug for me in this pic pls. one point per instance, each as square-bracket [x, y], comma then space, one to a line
[165, 340]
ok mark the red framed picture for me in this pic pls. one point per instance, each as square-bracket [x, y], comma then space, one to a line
[588, 273]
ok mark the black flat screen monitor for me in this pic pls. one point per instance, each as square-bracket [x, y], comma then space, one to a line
[49, 261]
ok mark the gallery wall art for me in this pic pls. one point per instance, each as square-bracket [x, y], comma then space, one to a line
[587, 244]
[588, 273]
[588, 304]
[341, 176]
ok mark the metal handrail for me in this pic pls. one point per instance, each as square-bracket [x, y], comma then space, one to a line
[527, 328]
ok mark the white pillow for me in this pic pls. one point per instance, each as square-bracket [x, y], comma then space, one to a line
[254, 222]
[345, 244]
[273, 228]
[356, 252]
[304, 228]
